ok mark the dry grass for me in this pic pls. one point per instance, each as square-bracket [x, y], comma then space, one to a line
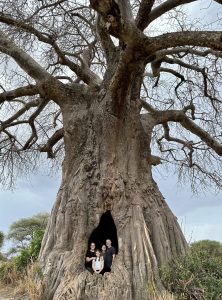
[163, 296]
[155, 295]
[11, 275]
[28, 285]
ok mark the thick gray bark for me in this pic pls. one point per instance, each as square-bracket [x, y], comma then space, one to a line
[106, 167]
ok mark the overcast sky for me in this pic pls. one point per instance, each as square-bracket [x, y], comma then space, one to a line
[199, 216]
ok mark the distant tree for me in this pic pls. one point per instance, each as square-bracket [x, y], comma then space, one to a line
[22, 232]
[214, 248]
[2, 236]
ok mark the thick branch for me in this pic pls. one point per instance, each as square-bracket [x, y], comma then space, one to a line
[104, 37]
[25, 61]
[162, 117]
[187, 123]
[163, 8]
[28, 90]
[208, 39]
[143, 13]
[34, 136]
[125, 10]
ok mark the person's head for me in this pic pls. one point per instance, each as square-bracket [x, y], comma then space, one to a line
[108, 243]
[92, 246]
[103, 248]
[97, 253]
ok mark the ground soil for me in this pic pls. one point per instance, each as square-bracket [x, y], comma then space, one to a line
[7, 293]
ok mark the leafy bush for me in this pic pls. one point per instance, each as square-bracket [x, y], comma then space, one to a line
[214, 248]
[198, 275]
[31, 253]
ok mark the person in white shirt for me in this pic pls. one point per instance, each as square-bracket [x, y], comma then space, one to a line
[98, 263]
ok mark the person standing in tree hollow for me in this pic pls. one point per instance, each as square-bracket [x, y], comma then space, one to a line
[98, 262]
[110, 255]
[90, 256]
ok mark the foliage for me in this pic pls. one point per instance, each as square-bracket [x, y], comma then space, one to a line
[19, 269]
[12, 270]
[2, 236]
[214, 248]
[23, 231]
[198, 274]
[30, 253]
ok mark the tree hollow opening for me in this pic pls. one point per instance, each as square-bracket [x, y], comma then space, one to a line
[105, 230]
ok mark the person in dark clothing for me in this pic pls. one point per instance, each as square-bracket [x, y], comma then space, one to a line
[110, 255]
[103, 251]
[90, 256]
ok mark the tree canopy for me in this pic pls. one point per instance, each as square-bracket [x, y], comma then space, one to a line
[50, 46]
[23, 231]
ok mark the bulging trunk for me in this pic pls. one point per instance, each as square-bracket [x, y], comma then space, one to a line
[106, 169]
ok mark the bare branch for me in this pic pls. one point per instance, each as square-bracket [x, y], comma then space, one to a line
[25, 61]
[48, 147]
[163, 8]
[187, 50]
[105, 39]
[34, 136]
[187, 123]
[143, 13]
[86, 75]
[206, 39]
[125, 10]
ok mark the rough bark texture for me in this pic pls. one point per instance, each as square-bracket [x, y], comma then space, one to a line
[106, 167]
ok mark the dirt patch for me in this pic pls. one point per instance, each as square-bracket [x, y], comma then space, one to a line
[8, 293]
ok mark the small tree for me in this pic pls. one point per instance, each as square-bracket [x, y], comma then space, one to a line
[23, 231]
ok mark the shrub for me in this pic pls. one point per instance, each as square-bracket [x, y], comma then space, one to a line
[198, 275]
[30, 254]
[214, 248]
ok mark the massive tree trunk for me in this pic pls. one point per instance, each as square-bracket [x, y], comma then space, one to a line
[107, 168]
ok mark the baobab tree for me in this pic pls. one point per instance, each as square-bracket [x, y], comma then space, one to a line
[114, 88]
